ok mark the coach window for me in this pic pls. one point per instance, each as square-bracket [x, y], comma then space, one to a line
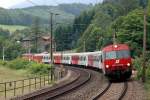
[81, 58]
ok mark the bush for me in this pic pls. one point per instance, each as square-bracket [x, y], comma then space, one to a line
[148, 69]
[33, 67]
[3, 63]
[137, 64]
[38, 68]
[18, 63]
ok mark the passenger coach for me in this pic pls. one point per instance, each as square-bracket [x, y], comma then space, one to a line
[114, 60]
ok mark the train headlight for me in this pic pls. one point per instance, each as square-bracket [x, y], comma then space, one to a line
[107, 66]
[128, 64]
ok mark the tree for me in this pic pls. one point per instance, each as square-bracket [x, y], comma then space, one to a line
[130, 30]
[63, 38]
[35, 31]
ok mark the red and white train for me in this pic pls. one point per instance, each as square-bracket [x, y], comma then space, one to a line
[113, 60]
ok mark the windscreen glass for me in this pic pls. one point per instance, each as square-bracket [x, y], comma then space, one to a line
[117, 54]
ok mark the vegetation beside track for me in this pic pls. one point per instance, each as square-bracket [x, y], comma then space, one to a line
[20, 68]
[137, 63]
[12, 28]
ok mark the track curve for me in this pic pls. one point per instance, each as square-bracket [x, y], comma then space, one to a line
[109, 91]
[81, 79]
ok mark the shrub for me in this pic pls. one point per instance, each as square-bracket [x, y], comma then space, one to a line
[148, 69]
[3, 63]
[18, 63]
[137, 63]
[33, 67]
[38, 68]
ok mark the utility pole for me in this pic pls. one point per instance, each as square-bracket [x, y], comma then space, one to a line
[51, 43]
[144, 46]
[51, 37]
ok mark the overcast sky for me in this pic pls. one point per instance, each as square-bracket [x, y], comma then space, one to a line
[10, 3]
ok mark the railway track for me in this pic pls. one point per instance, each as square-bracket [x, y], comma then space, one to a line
[83, 77]
[112, 92]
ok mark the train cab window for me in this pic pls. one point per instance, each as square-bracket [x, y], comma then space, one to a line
[117, 54]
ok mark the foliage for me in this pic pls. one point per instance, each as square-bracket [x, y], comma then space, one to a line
[25, 16]
[137, 64]
[4, 32]
[74, 8]
[12, 28]
[38, 68]
[80, 25]
[18, 64]
[3, 63]
[130, 30]
[101, 16]
[63, 38]
[32, 67]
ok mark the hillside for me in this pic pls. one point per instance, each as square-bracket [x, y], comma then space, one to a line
[27, 3]
[25, 16]
[12, 28]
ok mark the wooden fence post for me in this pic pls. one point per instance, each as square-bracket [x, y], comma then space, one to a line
[22, 86]
[48, 78]
[5, 90]
[40, 81]
[14, 88]
[35, 82]
[29, 84]
[44, 80]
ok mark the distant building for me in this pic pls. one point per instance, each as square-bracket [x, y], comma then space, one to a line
[26, 43]
[44, 42]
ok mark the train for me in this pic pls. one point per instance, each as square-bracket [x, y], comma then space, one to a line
[114, 60]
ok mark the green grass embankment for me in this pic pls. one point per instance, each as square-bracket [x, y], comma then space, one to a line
[20, 69]
[12, 28]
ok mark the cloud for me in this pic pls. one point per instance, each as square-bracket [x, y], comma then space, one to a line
[9, 3]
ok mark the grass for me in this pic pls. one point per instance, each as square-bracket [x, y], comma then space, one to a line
[12, 28]
[7, 75]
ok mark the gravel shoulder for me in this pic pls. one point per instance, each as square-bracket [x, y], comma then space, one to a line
[87, 91]
[135, 91]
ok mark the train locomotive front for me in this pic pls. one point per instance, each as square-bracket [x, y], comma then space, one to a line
[117, 61]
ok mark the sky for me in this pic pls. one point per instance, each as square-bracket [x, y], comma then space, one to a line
[10, 3]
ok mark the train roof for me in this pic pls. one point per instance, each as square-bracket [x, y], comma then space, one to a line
[115, 47]
[66, 54]
[82, 53]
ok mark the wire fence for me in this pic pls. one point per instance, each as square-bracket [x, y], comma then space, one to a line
[20, 87]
